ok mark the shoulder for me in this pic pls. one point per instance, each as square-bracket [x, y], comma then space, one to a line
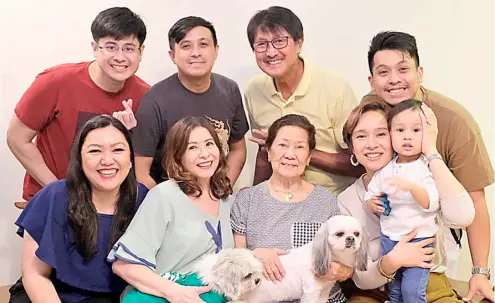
[162, 197]
[55, 188]
[328, 76]
[327, 80]
[450, 113]
[167, 190]
[351, 192]
[63, 71]
[324, 193]
[163, 87]
[138, 84]
[224, 81]
[50, 202]
[254, 191]
[256, 83]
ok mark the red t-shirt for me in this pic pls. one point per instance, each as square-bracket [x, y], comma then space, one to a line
[58, 103]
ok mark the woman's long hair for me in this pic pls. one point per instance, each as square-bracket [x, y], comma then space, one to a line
[175, 147]
[83, 216]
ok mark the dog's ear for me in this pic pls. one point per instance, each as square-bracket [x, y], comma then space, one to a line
[321, 250]
[362, 253]
[226, 275]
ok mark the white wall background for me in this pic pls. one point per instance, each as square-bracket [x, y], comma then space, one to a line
[455, 39]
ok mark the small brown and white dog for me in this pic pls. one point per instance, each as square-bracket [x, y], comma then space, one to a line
[339, 239]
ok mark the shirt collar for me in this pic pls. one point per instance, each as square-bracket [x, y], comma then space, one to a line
[302, 87]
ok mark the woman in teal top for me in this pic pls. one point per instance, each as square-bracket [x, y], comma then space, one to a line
[181, 219]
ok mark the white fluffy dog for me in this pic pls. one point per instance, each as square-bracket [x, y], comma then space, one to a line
[232, 272]
[339, 239]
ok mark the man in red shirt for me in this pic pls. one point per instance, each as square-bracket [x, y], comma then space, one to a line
[64, 97]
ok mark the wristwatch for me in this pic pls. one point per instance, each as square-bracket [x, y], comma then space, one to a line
[481, 271]
[434, 156]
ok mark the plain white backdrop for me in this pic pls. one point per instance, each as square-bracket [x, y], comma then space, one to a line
[455, 40]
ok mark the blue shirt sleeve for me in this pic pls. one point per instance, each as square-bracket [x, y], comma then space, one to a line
[43, 217]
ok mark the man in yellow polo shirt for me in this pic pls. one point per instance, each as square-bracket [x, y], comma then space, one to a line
[290, 85]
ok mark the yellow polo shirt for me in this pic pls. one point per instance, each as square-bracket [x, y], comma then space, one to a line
[322, 97]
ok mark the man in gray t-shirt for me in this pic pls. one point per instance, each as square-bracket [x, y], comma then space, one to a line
[193, 91]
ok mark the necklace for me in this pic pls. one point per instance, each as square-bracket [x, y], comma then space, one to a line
[288, 194]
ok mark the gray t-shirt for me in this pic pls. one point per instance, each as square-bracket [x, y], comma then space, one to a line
[169, 232]
[169, 100]
[270, 223]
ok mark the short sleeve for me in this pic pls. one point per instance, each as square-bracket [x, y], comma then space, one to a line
[373, 188]
[430, 187]
[333, 202]
[239, 212]
[247, 102]
[470, 162]
[38, 104]
[341, 111]
[148, 132]
[239, 123]
[144, 236]
[43, 219]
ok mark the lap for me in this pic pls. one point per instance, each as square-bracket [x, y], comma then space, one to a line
[438, 290]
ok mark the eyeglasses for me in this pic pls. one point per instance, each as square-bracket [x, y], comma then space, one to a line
[126, 49]
[277, 43]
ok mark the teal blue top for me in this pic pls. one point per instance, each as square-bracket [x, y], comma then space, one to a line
[135, 296]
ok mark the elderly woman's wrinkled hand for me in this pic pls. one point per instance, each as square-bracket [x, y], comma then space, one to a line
[413, 254]
[272, 268]
[430, 130]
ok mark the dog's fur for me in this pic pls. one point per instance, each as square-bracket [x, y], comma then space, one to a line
[232, 272]
[339, 239]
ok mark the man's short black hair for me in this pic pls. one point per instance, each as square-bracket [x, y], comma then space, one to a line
[118, 23]
[392, 41]
[183, 26]
[275, 18]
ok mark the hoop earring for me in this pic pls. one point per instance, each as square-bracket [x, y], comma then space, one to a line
[354, 161]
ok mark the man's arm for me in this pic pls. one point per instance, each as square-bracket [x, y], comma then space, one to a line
[236, 159]
[335, 163]
[263, 169]
[19, 140]
[143, 167]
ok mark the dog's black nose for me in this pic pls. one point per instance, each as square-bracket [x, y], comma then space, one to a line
[257, 281]
[349, 242]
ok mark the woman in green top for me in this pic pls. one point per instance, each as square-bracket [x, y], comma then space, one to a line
[181, 219]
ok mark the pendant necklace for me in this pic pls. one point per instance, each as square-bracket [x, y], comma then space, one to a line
[288, 194]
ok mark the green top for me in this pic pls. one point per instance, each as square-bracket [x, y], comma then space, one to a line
[169, 232]
[135, 296]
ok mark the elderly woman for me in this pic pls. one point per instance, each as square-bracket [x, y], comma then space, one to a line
[367, 134]
[285, 211]
[69, 226]
[181, 219]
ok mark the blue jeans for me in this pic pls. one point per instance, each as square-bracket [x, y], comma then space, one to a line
[409, 285]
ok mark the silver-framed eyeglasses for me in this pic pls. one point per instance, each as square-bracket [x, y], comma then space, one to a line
[277, 43]
[129, 49]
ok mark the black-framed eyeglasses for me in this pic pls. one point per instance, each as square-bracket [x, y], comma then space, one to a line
[277, 43]
[126, 49]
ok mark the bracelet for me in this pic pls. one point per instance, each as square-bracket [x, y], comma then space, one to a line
[389, 278]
